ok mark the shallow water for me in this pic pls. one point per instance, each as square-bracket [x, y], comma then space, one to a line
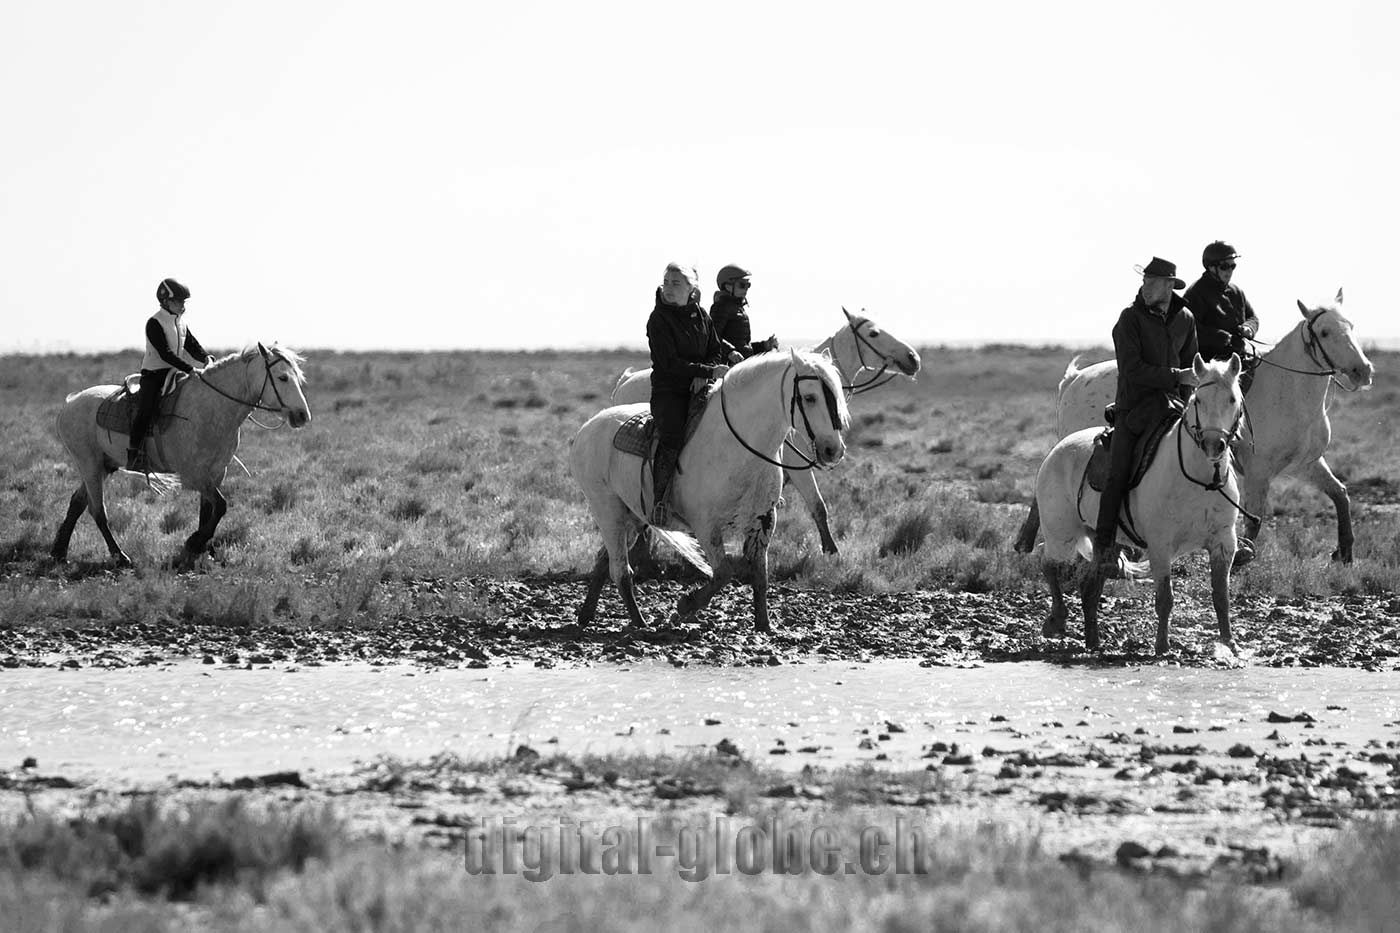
[197, 721]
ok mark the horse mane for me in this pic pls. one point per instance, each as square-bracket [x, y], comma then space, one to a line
[749, 369]
[292, 357]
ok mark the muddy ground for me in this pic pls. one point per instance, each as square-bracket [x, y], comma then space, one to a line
[531, 620]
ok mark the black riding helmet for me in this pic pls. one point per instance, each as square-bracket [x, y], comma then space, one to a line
[1218, 252]
[171, 289]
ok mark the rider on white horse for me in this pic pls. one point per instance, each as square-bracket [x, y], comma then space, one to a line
[169, 346]
[730, 313]
[684, 349]
[1225, 320]
[1155, 343]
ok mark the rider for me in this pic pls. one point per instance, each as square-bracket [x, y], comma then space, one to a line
[1154, 342]
[730, 312]
[1224, 317]
[169, 345]
[684, 349]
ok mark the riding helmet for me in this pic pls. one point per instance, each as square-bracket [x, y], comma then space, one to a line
[169, 288]
[731, 274]
[1218, 252]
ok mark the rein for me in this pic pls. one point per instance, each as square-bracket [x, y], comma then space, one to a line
[1198, 437]
[874, 382]
[795, 402]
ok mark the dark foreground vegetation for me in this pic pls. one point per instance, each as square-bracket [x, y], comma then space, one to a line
[222, 860]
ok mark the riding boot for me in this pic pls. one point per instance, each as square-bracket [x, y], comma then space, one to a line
[1104, 562]
[663, 468]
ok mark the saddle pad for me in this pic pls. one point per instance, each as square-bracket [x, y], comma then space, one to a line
[637, 435]
[1143, 454]
[117, 410]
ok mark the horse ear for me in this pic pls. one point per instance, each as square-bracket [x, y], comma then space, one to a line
[1233, 370]
[793, 352]
[847, 313]
[1198, 366]
[1302, 308]
[262, 349]
[1339, 295]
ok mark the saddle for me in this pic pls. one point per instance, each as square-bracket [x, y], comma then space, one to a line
[637, 435]
[118, 409]
[1146, 450]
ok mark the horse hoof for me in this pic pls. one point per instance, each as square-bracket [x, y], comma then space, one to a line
[1053, 628]
[1022, 547]
[120, 559]
[831, 549]
[1341, 557]
[1244, 553]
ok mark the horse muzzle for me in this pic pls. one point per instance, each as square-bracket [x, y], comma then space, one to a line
[1360, 376]
[298, 419]
[830, 453]
[909, 365]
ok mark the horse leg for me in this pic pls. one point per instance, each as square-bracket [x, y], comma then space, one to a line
[1220, 560]
[806, 485]
[1321, 476]
[1254, 498]
[1090, 589]
[1162, 576]
[212, 507]
[97, 508]
[1054, 626]
[756, 552]
[76, 505]
[1025, 539]
[595, 588]
[697, 599]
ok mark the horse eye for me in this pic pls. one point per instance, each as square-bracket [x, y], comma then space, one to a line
[874, 331]
[282, 378]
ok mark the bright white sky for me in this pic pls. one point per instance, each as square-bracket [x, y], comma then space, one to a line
[517, 174]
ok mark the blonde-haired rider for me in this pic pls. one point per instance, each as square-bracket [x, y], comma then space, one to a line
[169, 346]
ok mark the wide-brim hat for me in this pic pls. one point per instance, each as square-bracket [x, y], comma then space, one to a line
[1161, 269]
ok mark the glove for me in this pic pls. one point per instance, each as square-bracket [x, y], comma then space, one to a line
[735, 357]
[769, 345]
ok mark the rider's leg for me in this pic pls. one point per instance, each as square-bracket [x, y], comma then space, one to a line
[669, 410]
[147, 403]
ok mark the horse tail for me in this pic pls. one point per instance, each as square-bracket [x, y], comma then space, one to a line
[1071, 371]
[617, 384]
[686, 546]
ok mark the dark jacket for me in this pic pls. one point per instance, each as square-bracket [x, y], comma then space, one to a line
[1223, 315]
[731, 317]
[1148, 347]
[683, 344]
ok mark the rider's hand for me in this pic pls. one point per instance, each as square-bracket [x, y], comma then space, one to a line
[1186, 377]
[719, 372]
[735, 357]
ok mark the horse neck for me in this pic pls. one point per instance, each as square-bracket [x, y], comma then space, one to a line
[757, 404]
[844, 354]
[222, 413]
[1304, 388]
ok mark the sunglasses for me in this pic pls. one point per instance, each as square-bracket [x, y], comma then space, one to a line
[1226, 265]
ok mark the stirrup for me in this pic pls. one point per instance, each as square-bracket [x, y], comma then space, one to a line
[660, 515]
[138, 462]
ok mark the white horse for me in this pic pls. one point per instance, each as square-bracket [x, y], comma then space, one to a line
[863, 353]
[730, 476]
[1186, 500]
[1287, 427]
[194, 451]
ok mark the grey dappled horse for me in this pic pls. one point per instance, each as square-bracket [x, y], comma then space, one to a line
[863, 352]
[195, 449]
[1287, 429]
[730, 477]
[1185, 501]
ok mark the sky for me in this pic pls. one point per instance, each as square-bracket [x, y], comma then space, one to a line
[424, 175]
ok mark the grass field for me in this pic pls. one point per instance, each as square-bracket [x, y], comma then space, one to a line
[443, 465]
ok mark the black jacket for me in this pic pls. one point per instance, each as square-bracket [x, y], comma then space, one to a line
[1223, 315]
[1148, 347]
[683, 344]
[731, 317]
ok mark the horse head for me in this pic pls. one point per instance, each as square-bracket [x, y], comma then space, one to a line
[278, 382]
[819, 406]
[877, 348]
[1328, 339]
[1215, 410]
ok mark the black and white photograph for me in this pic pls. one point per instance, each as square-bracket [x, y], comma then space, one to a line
[756, 466]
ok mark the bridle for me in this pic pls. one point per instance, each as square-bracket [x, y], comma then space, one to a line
[268, 362]
[862, 344]
[1312, 346]
[1199, 436]
[795, 407]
